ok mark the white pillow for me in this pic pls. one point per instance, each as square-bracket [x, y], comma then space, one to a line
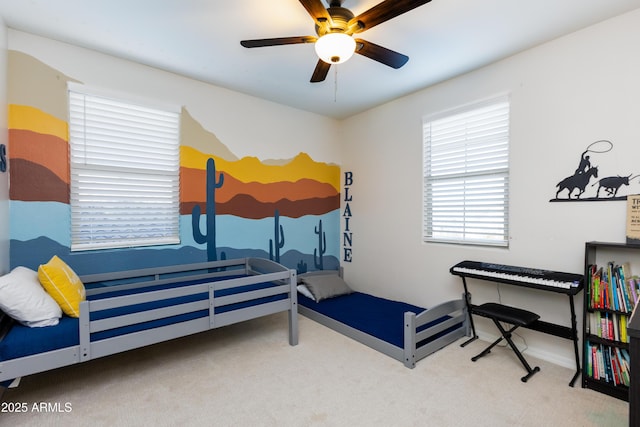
[23, 298]
[304, 291]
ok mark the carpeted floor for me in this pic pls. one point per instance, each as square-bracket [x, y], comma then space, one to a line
[248, 375]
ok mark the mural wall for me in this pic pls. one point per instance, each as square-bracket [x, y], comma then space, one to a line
[286, 210]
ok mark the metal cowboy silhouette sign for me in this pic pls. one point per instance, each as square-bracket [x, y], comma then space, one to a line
[586, 185]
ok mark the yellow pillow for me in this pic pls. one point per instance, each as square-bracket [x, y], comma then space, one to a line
[64, 286]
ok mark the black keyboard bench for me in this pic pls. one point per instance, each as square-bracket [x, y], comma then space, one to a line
[514, 316]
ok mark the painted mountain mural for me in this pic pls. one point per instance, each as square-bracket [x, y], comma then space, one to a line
[287, 210]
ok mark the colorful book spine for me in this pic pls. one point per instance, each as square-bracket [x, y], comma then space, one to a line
[623, 329]
[589, 361]
[624, 288]
[613, 288]
[633, 285]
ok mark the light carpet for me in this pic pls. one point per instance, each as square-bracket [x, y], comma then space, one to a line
[248, 375]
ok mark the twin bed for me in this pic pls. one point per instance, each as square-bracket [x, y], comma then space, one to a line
[131, 309]
[400, 330]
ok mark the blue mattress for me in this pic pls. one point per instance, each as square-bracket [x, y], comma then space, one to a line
[379, 317]
[23, 341]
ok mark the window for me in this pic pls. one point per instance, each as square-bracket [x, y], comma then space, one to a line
[124, 161]
[466, 175]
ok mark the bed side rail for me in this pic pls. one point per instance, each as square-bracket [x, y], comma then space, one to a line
[161, 271]
[129, 279]
[280, 277]
[279, 284]
[91, 348]
[263, 265]
[28, 365]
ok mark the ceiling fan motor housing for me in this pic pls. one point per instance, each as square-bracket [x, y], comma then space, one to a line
[340, 18]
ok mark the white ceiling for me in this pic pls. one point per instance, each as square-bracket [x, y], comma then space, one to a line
[200, 39]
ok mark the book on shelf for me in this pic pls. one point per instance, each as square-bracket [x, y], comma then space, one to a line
[624, 367]
[613, 288]
[608, 364]
[609, 326]
[615, 369]
[633, 283]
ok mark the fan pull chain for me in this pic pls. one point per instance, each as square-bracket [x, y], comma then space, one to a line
[335, 83]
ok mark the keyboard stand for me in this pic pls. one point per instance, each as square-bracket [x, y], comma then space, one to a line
[467, 299]
[570, 333]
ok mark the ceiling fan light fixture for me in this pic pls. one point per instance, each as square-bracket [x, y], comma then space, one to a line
[335, 48]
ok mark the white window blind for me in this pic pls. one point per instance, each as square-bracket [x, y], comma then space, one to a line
[466, 175]
[125, 163]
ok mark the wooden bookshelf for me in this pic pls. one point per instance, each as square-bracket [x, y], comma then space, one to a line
[608, 304]
[634, 390]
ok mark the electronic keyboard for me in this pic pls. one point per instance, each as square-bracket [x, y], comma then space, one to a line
[555, 281]
[546, 280]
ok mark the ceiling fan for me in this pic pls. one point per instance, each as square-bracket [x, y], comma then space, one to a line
[335, 27]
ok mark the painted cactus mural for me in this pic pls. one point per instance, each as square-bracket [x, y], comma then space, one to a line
[210, 209]
[322, 247]
[231, 204]
[277, 242]
[301, 268]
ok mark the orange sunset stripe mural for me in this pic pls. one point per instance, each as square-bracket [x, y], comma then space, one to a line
[39, 149]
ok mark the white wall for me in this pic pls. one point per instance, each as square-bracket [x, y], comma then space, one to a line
[4, 177]
[564, 95]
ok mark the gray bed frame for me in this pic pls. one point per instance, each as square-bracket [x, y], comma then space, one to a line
[410, 353]
[248, 271]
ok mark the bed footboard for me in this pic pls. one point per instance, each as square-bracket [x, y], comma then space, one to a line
[433, 329]
[418, 336]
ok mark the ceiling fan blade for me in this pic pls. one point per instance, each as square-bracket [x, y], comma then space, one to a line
[278, 41]
[382, 12]
[381, 54]
[321, 71]
[318, 12]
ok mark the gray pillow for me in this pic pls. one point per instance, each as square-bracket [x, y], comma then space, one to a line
[325, 286]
